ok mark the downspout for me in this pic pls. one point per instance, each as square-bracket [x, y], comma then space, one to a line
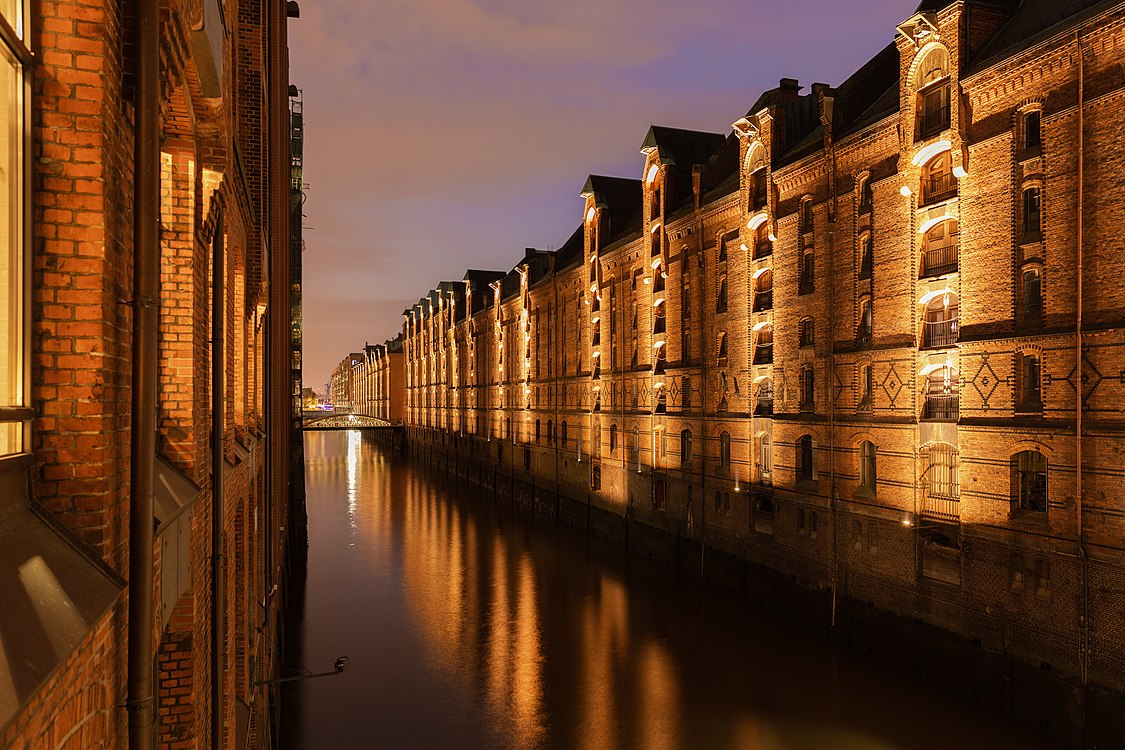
[1083, 560]
[218, 510]
[146, 292]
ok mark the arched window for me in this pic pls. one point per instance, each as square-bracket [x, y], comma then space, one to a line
[722, 353]
[765, 459]
[866, 321]
[939, 248]
[867, 475]
[724, 453]
[866, 388]
[636, 447]
[865, 197]
[942, 397]
[932, 84]
[938, 182]
[537, 427]
[865, 258]
[762, 244]
[1029, 482]
[806, 458]
[596, 438]
[721, 296]
[685, 447]
[1031, 298]
[1031, 215]
[756, 169]
[596, 477]
[1030, 137]
[806, 215]
[1029, 394]
[806, 332]
[763, 345]
[562, 437]
[939, 323]
[613, 438]
[808, 388]
[763, 290]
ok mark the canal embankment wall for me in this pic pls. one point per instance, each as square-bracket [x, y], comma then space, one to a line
[898, 627]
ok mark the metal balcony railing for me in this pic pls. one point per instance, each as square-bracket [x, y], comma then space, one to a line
[939, 259]
[946, 508]
[939, 333]
[938, 187]
[941, 408]
[933, 121]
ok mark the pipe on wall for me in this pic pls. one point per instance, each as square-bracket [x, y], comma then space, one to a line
[218, 504]
[145, 304]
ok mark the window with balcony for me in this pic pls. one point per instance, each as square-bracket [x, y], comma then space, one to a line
[1031, 298]
[865, 257]
[938, 182]
[932, 82]
[763, 345]
[763, 290]
[685, 447]
[806, 332]
[758, 193]
[806, 459]
[1031, 218]
[866, 322]
[1030, 137]
[942, 396]
[941, 487]
[762, 244]
[763, 404]
[721, 296]
[867, 475]
[1029, 392]
[1029, 483]
[939, 322]
[939, 249]
[808, 388]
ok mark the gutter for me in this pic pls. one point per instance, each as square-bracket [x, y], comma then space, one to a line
[218, 470]
[146, 291]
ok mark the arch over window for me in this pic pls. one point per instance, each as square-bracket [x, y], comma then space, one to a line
[931, 81]
[1029, 482]
[763, 345]
[940, 324]
[763, 290]
[938, 181]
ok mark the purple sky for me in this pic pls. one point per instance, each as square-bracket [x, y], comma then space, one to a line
[448, 134]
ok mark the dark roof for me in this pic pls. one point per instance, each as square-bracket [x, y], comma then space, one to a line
[868, 94]
[621, 199]
[571, 250]
[1034, 21]
[715, 181]
[686, 147]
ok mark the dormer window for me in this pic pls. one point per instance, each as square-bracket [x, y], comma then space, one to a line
[933, 87]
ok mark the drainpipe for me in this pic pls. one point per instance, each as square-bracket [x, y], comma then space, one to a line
[218, 509]
[1083, 561]
[146, 292]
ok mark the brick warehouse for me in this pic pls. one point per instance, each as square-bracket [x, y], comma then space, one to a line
[870, 342]
[146, 301]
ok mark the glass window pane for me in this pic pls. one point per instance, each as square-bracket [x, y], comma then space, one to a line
[12, 10]
[11, 230]
[11, 438]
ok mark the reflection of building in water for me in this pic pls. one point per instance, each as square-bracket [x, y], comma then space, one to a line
[844, 341]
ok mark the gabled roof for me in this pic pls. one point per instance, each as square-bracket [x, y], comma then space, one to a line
[720, 173]
[571, 250]
[686, 148]
[620, 197]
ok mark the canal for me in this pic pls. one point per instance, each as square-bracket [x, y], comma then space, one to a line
[468, 625]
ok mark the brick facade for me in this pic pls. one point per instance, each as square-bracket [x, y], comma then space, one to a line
[844, 342]
[219, 157]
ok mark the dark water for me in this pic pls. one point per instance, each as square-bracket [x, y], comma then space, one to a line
[468, 627]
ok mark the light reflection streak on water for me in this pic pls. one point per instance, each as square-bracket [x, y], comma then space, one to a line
[354, 444]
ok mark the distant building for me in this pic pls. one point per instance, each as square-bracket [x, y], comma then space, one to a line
[870, 340]
[340, 387]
